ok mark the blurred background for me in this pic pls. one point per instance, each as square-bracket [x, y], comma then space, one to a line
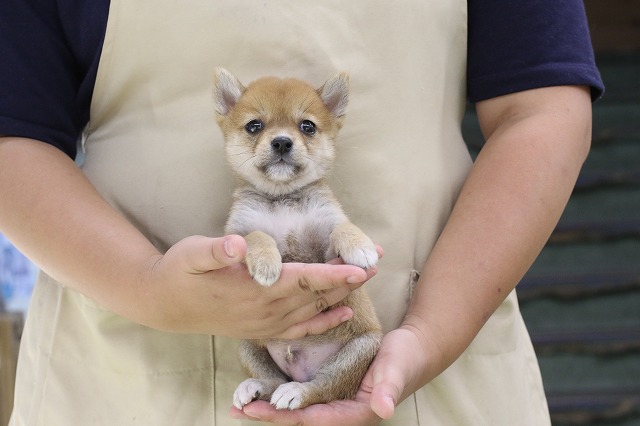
[581, 299]
[16, 282]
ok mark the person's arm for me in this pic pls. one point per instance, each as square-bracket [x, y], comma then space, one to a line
[536, 143]
[53, 214]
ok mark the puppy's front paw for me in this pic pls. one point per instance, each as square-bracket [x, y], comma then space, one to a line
[353, 246]
[364, 256]
[265, 270]
[266, 273]
[289, 396]
[263, 259]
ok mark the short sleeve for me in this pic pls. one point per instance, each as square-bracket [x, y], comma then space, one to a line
[520, 45]
[50, 54]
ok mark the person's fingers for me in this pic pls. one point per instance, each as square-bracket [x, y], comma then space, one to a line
[264, 412]
[318, 324]
[202, 254]
[305, 291]
[342, 412]
[302, 299]
[370, 272]
[317, 277]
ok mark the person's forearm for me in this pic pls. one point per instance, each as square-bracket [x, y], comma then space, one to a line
[518, 187]
[200, 285]
[55, 216]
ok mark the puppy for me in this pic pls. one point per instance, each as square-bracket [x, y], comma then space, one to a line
[279, 139]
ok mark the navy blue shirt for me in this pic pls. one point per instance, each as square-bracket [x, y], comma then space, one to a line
[50, 50]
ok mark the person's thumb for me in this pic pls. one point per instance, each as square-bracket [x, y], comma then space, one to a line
[388, 385]
[202, 254]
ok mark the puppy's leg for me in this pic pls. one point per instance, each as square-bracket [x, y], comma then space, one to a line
[263, 258]
[352, 245]
[337, 379]
[257, 362]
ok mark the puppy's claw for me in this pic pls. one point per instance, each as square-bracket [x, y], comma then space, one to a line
[247, 391]
[289, 396]
[353, 246]
[265, 274]
[263, 259]
[364, 256]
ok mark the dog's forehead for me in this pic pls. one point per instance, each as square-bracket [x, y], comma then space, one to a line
[289, 96]
[280, 86]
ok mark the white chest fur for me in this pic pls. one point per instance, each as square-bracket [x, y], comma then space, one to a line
[300, 223]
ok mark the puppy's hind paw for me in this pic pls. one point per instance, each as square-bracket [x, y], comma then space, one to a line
[252, 389]
[289, 396]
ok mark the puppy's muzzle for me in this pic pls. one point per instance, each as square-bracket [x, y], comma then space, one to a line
[282, 145]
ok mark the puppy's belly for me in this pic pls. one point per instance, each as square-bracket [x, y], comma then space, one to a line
[301, 361]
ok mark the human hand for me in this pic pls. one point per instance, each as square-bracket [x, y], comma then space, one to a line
[398, 370]
[196, 287]
[201, 285]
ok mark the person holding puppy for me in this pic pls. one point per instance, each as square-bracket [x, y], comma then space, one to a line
[134, 304]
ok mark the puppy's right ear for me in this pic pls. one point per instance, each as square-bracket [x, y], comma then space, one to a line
[335, 94]
[227, 90]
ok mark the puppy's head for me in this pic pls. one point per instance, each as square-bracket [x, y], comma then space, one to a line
[279, 133]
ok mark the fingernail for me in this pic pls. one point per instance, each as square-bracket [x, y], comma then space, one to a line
[354, 279]
[248, 412]
[228, 248]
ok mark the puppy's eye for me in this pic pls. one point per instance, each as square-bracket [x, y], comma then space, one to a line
[254, 126]
[307, 127]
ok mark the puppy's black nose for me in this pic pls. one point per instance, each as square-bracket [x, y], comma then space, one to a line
[282, 144]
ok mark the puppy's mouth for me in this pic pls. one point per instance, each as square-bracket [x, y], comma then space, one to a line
[281, 168]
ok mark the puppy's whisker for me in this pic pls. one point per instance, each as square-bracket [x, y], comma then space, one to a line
[245, 161]
[240, 153]
[322, 148]
[309, 157]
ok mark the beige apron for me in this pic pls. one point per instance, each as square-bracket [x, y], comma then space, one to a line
[154, 151]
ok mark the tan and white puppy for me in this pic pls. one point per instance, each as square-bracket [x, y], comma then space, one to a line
[279, 138]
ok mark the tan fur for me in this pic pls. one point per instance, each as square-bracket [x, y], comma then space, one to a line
[286, 212]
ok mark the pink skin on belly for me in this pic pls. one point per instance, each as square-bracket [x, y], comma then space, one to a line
[300, 362]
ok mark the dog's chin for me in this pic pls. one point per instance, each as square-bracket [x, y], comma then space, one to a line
[282, 177]
[281, 171]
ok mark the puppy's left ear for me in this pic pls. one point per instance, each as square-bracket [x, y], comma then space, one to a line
[335, 94]
[227, 90]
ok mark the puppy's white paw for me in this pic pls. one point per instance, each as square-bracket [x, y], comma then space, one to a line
[353, 246]
[247, 391]
[266, 274]
[264, 270]
[364, 256]
[263, 259]
[288, 396]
